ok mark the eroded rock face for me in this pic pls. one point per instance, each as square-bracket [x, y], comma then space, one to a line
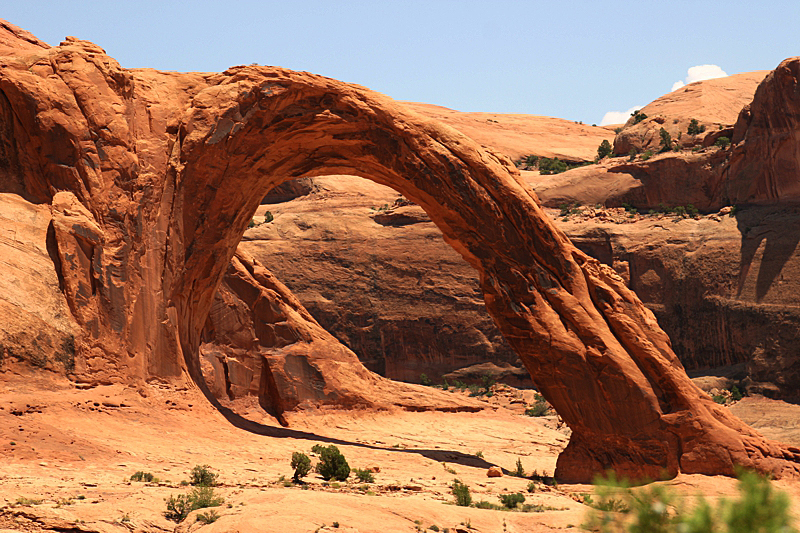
[173, 166]
[380, 278]
[725, 288]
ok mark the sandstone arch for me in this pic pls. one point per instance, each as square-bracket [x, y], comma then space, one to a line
[153, 177]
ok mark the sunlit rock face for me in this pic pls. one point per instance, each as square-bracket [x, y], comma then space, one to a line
[153, 178]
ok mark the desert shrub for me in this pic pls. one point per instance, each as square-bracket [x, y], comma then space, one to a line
[720, 399]
[143, 476]
[632, 154]
[692, 210]
[364, 475]
[736, 394]
[208, 518]
[510, 501]
[519, 471]
[679, 210]
[549, 166]
[251, 224]
[202, 476]
[647, 155]
[461, 493]
[178, 508]
[695, 127]
[666, 140]
[617, 130]
[638, 117]
[425, 380]
[332, 464]
[723, 142]
[604, 150]
[483, 504]
[539, 407]
[268, 217]
[301, 464]
[532, 487]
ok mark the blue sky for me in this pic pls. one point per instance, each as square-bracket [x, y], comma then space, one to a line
[575, 60]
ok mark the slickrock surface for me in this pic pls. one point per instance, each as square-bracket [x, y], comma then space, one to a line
[153, 178]
[715, 104]
[521, 135]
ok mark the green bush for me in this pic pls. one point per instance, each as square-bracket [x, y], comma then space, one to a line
[301, 464]
[666, 140]
[461, 492]
[695, 128]
[202, 476]
[208, 518]
[723, 142]
[736, 394]
[604, 150]
[638, 117]
[510, 501]
[632, 154]
[549, 166]
[143, 476]
[364, 475]
[268, 217]
[539, 407]
[425, 380]
[200, 498]
[532, 487]
[519, 471]
[647, 155]
[332, 464]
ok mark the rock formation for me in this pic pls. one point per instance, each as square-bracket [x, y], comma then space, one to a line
[153, 178]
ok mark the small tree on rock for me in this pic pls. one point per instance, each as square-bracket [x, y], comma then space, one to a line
[604, 150]
[666, 140]
[301, 464]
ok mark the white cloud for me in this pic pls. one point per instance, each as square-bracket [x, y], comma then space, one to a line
[618, 117]
[700, 73]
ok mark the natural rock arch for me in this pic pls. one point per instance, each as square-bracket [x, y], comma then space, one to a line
[165, 170]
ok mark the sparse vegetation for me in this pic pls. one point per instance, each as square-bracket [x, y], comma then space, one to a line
[146, 477]
[723, 142]
[178, 508]
[632, 154]
[301, 464]
[638, 116]
[539, 407]
[510, 501]
[208, 518]
[532, 487]
[364, 475]
[604, 150]
[695, 127]
[27, 501]
[203, 476]
[759, 509]
[425, 380]
[461, 493]
[549, 166]
[268, 217]
[666, 140]
[332, 463]
[519, 471]
[647, 155]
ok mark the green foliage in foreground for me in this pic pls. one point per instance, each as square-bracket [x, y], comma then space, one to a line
[656, 509]
[178, 508]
